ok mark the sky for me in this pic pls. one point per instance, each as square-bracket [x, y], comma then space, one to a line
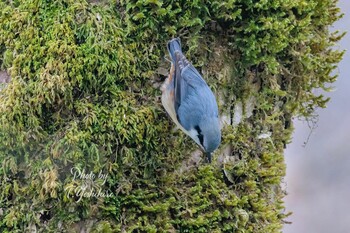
[318, 175]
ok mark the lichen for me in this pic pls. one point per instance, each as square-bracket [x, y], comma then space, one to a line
[82, 96]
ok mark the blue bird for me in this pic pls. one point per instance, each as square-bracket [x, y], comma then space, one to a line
[190, 102]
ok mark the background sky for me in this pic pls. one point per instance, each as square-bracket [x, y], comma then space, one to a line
[318, 176]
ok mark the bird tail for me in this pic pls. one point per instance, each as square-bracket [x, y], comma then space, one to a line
[173, 46]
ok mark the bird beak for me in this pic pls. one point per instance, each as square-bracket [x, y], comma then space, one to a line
[208, 154]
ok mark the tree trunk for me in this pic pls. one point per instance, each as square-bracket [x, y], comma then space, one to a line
[86, 146]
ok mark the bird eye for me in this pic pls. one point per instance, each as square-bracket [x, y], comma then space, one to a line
[200, 135]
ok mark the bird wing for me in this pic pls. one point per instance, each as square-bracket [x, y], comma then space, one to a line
[187, 79]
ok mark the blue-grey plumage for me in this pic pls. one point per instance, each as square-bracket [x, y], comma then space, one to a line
[190, 102]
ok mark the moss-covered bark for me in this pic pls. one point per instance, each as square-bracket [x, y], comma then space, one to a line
[84, 96]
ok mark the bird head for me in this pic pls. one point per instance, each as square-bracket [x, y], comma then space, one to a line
[208, 135]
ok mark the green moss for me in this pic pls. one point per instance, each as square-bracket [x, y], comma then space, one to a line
[83, 95]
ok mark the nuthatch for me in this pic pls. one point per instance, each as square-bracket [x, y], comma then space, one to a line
[190, 102]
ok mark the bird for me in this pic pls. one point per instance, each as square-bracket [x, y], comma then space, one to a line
[190, 102]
